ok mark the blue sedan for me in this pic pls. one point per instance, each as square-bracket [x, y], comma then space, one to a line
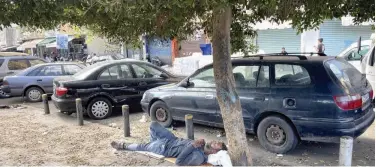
[37, 80]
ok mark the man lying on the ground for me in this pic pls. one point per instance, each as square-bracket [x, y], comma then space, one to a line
[187, 152]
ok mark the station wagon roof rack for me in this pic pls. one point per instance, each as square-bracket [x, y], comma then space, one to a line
[300, 55]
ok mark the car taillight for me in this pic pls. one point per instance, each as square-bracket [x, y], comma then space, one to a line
[371, 94]
[60, 91]
[5, 82]
[348, 102]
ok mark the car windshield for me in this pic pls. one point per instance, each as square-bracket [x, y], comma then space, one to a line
[88, 70]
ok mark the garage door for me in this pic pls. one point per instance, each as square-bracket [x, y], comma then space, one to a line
[272, 40]
[337, 37]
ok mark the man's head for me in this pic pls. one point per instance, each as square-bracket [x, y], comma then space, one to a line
[214, 146]
[283, 49]
[320, 40]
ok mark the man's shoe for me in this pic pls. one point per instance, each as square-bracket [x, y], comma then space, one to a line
[119, 145]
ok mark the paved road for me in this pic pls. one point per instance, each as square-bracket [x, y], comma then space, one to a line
[307, 153]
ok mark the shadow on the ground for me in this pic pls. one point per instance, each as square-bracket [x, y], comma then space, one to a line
[324, 153]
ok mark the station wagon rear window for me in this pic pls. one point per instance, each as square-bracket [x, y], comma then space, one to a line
[343, 70]
[18, 64]
[34, 62]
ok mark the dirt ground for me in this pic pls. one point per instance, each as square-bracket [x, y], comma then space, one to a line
[28, 137]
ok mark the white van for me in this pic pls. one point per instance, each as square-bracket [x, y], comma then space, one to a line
[368, 64]
[352, 55]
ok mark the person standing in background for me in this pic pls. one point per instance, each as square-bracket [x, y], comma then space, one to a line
[45, 56]
[54, 56]
[320, 48]
[283, 52]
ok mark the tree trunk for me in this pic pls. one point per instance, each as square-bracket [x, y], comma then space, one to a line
[228, 98]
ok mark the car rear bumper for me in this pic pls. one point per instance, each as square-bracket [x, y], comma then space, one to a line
[12, 91]
[64, 104]
[5, 88]
[330, 131]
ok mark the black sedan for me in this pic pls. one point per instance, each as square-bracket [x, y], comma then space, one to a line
[108, 84]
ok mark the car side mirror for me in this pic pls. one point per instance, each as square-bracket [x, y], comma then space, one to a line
[350, 56]
[187, 84]
[164, 76]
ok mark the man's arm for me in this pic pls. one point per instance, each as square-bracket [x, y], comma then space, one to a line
[184, 154]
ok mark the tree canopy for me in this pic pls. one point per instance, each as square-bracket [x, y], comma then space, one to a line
[126, 20]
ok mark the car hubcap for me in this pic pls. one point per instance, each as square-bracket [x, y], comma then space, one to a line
[275, 135]
[161, 114]
[100, 109]
[34, 94]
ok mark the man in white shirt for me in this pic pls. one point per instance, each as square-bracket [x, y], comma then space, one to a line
[221, 158]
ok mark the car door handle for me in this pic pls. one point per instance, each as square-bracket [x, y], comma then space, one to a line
[10, 72]
[209, 97]
[105, 85]
[142, 83]
[126, 88]
[39, 80]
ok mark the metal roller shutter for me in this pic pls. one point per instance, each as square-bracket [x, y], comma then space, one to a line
[160, 48]
[337, 37]
[272, 40]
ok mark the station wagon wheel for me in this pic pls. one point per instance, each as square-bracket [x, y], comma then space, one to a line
[34, 94]
[99, 108]
[160, 112]
[277, 135]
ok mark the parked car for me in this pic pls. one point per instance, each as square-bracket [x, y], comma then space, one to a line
[368, 66]
[95, 59]
[37, 80]
[108, 84]
[14, 62]
[354, 55]
[284, 99]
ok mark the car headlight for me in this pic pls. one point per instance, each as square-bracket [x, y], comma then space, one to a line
[146, 96]
[143, 96]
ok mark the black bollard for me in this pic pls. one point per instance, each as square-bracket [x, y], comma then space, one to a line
[125, 110]
[80, 115]
[45, 103]
[189, 126]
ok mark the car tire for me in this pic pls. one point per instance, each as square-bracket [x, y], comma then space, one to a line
[99, 108]
[276, 135]
[34, 94]
[161, 113]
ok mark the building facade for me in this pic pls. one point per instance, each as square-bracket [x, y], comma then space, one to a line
[337, 36]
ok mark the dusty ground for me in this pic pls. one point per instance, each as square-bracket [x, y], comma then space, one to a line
[30, 138]
[306, 154]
